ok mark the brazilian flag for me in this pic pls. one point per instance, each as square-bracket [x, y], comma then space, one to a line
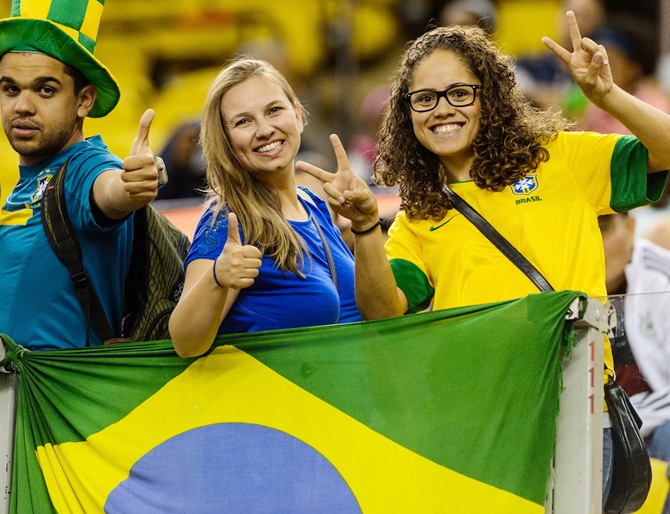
[448, 411]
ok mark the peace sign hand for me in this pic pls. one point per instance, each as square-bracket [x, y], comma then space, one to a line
[348, 194]
[588, 62]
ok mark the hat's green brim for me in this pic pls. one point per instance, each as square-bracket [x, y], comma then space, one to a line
[45, 37]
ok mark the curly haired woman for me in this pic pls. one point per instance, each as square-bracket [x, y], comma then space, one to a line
[457, 118]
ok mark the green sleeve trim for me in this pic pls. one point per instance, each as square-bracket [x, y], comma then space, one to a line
[413, 283]
[632, 186]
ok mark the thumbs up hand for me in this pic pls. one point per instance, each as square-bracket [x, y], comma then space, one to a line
[141, 143]
[141, 175]
[238, 265]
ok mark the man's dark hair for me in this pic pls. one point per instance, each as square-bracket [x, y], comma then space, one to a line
[80, 80]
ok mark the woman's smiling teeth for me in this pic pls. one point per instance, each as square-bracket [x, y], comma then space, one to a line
[270, 147]
[446, 129]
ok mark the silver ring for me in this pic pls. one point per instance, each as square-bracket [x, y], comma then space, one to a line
[162, 171]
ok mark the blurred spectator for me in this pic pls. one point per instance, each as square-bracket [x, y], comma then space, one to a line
[362, 153]
[273, 50]
[657, 229]
[185, 163]
[640, 270]
[653, 222]
[469, 12]
[632, 49]
[543, 78]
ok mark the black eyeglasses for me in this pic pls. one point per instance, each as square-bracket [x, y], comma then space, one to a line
[458, 95]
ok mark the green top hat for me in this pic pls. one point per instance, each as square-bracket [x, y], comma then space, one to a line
[65, 30]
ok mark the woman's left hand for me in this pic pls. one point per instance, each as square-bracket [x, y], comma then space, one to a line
[348, 194]
[588, 62]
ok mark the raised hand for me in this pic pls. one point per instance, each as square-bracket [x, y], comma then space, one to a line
[237, 266]
[588, 62]
[348, 194]
[140, 174]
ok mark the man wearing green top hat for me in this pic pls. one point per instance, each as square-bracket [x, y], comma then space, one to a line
[49, 82]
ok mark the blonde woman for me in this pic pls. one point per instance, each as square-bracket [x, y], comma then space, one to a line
[266, 254]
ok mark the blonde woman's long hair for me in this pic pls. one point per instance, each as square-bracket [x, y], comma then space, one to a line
[231, 187]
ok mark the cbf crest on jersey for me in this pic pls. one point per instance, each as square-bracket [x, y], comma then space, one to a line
[525, 186]
[39, 191]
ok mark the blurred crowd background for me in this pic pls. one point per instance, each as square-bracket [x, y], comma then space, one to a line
[340, 56]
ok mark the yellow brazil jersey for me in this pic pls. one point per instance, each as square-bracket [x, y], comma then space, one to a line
[550, 216]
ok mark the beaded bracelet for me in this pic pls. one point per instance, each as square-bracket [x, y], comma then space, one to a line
[214, 275]
[367, 230]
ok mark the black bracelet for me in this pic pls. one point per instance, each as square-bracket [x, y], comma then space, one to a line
[215, 277]
[367, 230]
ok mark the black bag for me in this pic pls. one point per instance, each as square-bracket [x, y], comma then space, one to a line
[155, 278]
[631, 475]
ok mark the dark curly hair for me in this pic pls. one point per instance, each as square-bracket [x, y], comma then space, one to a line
[511, 136]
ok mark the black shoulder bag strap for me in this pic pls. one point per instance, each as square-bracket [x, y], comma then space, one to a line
[498, 240]
[62, 238]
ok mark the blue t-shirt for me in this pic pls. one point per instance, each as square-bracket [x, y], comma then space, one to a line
[40, 309]
[283, 299]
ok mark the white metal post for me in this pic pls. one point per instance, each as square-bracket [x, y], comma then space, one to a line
[577, 473]
[9, 386]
